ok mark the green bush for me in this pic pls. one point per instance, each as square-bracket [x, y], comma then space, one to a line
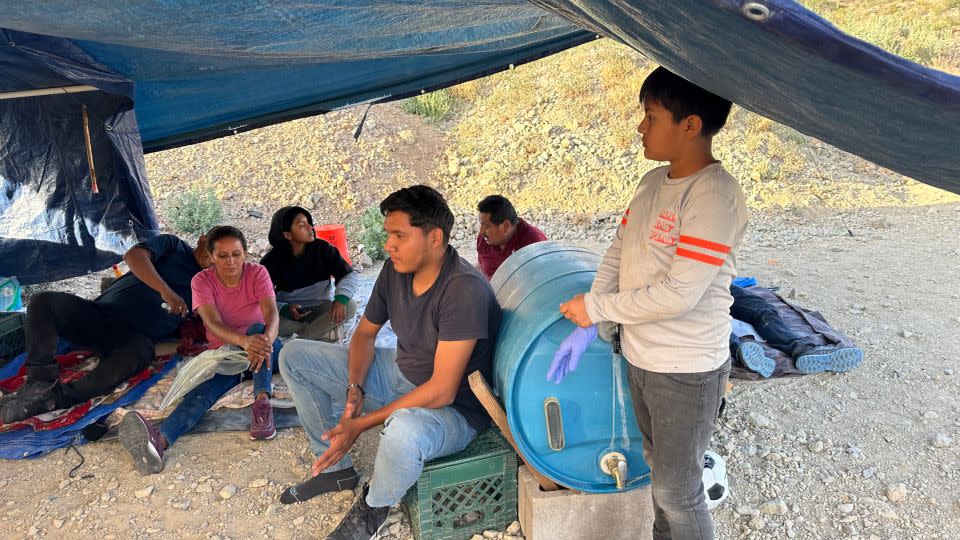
[195, 211]
[435, 105]
[370, 233]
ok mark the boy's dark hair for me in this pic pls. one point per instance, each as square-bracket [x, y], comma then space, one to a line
[499, 208]
[224, 231]
[425, 206]
[683, 98]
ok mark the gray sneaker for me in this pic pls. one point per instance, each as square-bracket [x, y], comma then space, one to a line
[829, 358]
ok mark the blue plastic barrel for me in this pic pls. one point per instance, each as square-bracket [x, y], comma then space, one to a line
[592, 406]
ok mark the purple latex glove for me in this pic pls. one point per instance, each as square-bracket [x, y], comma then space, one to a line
[568, 355]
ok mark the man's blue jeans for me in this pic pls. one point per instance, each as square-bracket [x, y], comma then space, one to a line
[200, 399]
[317, 375]
[752, 309]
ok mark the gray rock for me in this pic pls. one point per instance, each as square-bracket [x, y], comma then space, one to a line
[896, 492]
[757, 522]
[905, 334]
[775, 507]
[758, 419]
[255, 213]
[228, 491]
[940, 440]
[816, 446]
[846, 508]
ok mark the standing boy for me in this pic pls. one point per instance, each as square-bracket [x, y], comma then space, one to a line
[665, 280]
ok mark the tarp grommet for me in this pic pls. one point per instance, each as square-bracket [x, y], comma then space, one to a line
[755, 11]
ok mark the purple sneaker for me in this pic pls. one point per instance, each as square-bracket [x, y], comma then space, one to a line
[142, 440]
[261, 420]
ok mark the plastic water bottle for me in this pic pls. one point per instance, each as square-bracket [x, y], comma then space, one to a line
[9, 294]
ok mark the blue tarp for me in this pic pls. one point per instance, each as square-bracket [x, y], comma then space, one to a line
[28, 443]
[200, 70]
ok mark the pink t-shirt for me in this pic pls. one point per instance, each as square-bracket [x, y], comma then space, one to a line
[239, 306]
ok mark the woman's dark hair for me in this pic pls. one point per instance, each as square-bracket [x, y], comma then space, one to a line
[282, 221]
[224, 231]
[683, 98]
[425, 206]
[499, 208]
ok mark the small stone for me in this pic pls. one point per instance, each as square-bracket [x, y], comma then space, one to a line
[758, 419]
[929, 415]
[477, 537]
[258, 483]
[869, 472]
[896, 492]
[745, 510]
[271, 510]
[940, 440]
[846, 508]
[815, 446]
[395, 529]
[58, 523]
[205, 488]
[775, 507]
[491, 534]
[905, 334]
[255, 214]
[32, 531]
[143, 493]
[228, 491]
[64, 483]
[757, 522]
[365, 260]
[299, 521]
[344, 495]
[181, 505]
[406, 136]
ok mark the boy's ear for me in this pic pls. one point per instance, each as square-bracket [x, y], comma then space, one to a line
[693, 125]
[436, 237]
[288, 236]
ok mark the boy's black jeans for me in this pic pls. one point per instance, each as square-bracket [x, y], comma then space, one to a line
[122, 352]
[677, 413]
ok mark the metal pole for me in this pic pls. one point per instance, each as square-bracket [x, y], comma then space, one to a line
[47, 91]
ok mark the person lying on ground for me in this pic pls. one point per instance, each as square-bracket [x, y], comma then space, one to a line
[120, 327]
[301, 266]
[665, 280]
[446, 319]
[235, 299]
[809, 355]
[502, 233]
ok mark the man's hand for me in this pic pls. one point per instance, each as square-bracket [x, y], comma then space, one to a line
[175, 304]
[295, 312]
[575, 310]
[338, 312]
[259, 349]
[341, 438]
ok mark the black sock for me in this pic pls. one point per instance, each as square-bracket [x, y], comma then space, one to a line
[320, 484]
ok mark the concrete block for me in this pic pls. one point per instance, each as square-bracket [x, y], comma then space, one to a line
[573, 515]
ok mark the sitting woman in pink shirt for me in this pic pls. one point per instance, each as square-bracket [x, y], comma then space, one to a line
[236, 301]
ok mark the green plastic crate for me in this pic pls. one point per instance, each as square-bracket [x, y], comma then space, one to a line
[12, 337]
[465, 493]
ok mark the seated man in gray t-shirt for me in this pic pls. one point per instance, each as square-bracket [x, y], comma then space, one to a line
[446, 320]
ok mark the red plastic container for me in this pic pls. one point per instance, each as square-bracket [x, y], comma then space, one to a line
[336, 234]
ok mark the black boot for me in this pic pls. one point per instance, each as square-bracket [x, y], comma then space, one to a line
[31, 399]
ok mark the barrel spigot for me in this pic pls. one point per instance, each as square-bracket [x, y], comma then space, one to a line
[615, 464]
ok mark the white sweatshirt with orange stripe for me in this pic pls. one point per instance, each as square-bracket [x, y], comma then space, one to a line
[666, 276]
